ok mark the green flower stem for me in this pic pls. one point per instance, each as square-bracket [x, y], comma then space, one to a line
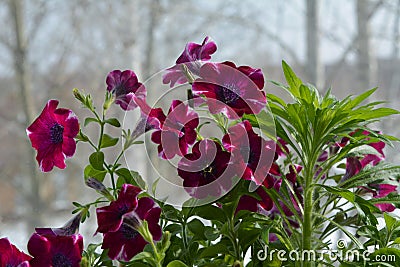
[235, 241]
[101, 132]
[144, 231]
[308, 201]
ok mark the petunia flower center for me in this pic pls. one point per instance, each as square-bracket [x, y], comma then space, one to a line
[128, 231]
[229, 93]
[56, 133]
[120, 90]
[208, 174]
[60, 260]
[249, 155]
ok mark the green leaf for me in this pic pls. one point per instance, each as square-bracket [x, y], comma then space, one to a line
[389, 221]
[386, 255]
[197, 228]
[131, 177]
[365, 208]
[89, 120]
[114, 122]
[360, 98]
[108, 141]
[214, 250]
[293, 81]
[170, 213]
[82, 137]
[377, 113]
[362, 150]
[176, 263]
[96, 159]
[89, 171]
[211, 233]
[142, 256]
[210, 212]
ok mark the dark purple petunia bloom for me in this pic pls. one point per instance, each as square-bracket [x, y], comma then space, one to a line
[125, 85]
[380, 191]
[52, 135]
[70, 228]
[126, 242]
[355, 164]
[251, 154]
[120, 220]
[150, 118]
[191, 57]
[383, 191]
[50, 250]
[11, 256]
[294, 170]
[178, 131]
[232, 90]
[109, 218]
[206, 171]
[265, 203]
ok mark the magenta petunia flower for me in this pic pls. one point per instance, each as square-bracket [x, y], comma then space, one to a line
[52, 135]
[265, 203]
[109, 218]
[126, 242]
[231, 90]
[55, 250]
[178, 131]
[125, 84]
[355, 164]
[251, 154]
[383, 191]
[294, 170]
[70, 228]
[120, 220]
[191, 57]
[150, 118]
[206, 171]
[11, 256]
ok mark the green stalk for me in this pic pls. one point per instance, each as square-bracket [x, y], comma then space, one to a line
[308, 204]
[307, 223]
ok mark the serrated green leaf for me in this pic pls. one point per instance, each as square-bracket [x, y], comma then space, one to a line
[96, 159]
[108, 141]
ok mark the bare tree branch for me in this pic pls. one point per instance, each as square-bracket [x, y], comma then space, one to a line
[352, 45]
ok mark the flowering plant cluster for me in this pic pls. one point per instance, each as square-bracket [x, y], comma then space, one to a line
[286, 176]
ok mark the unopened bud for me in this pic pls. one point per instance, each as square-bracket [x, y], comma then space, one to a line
[98, 186]
[78, 95]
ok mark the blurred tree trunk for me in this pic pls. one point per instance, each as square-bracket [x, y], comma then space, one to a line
[22, 78]
[314, 67]
[365, 66]
[147, 68]
[395, 82]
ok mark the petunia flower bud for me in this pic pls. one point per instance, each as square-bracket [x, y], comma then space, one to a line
[99, 186]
